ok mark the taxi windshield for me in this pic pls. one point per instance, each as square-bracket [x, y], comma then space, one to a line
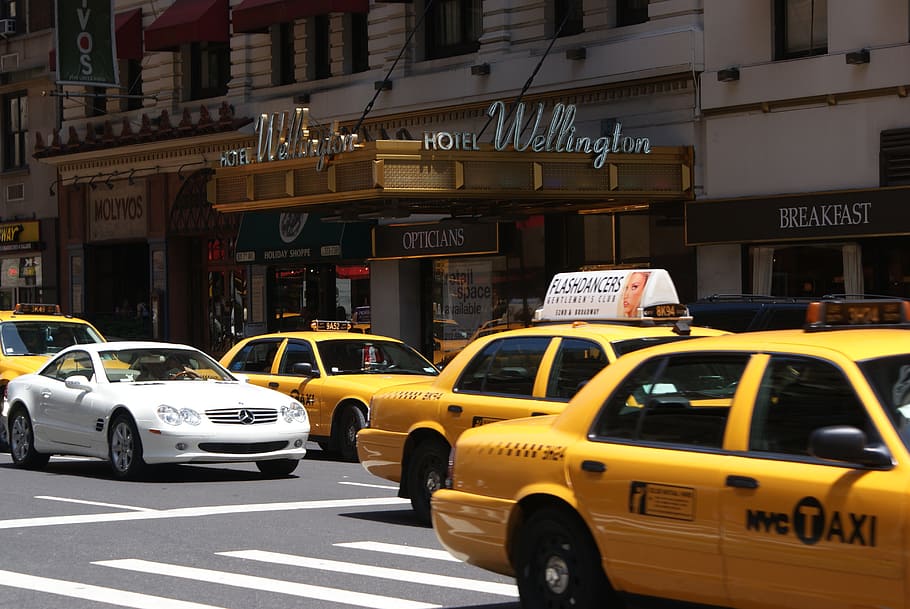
[366, 356]
[890, 379]
[44, 337]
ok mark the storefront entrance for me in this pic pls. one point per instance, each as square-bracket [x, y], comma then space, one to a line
[117, 289]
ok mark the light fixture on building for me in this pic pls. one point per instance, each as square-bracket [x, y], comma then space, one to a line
[576, 53]
[728, 74]
[51, 190]
[902, 91]
[831, 100]
[481, 69]
[383, 85]
[855, 58]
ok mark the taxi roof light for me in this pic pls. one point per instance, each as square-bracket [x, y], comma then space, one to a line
[881, 313]
[34, 308]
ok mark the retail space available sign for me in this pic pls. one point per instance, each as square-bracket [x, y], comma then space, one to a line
[86, 44]
[286, 135]
[117, 214]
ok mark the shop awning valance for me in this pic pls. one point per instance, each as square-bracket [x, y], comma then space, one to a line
[189, 21]
[128, 32]
[258, 15]
[275, 238]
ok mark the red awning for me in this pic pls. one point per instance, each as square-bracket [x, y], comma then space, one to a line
[258, 15]
[127, 31]
[189, 21]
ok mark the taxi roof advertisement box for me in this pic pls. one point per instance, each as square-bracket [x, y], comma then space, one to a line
[613, 294]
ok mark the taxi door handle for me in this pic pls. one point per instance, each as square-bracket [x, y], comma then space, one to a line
[593, 466]
[742, 482]
[272, 385]
[454, 408]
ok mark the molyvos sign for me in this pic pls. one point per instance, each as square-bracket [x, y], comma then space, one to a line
[286, 135]
[805, 216]
[118, 213]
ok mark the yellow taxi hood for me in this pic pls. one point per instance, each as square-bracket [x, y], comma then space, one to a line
[377, 382]
[408, 384]
[22, 364]
[517, 427]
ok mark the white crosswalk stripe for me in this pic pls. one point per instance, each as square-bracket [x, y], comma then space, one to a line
[417, 577]
[392, 548]
[358, 599]
[293, 586]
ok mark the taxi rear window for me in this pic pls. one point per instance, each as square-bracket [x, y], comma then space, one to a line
[621, 347]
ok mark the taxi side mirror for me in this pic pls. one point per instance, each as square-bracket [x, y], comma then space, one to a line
[305, 369]
[848, 444]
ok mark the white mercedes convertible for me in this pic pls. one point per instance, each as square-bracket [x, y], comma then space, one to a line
[142, 403]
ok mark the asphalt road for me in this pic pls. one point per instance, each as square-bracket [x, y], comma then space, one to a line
[223, 537]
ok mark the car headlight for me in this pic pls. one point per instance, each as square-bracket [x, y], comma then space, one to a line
[294, 413]
[173, 416]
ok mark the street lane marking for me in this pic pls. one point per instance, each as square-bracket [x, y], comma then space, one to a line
[385, 486]
[415, 577]
[251, 582]
[393, 548]
[100, 594]
[195, 512]
[98, 503]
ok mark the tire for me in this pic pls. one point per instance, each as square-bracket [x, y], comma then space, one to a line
[277, 467]
[426, 475]
[125, 449]
[22, 442]
[352, 421]
[558, 565]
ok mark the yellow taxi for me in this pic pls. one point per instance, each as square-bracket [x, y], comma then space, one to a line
[518, 373]
[762, 470]
[31, 332]
[332, 372]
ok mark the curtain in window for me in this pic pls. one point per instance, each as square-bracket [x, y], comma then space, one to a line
[762, 267]
[853, 269]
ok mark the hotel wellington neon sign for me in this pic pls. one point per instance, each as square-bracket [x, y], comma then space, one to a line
[286, 135]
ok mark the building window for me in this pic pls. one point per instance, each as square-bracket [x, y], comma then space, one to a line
[131, 80]
[453, 28]
[15, 130]
[97, 102]
[630, 12]
[800, 28]
[210, 69]
[319, 59]
[359, 42]
[8, 10]
[283, 54]
[572, 11]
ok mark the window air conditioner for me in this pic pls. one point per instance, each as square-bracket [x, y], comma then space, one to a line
[7, 27]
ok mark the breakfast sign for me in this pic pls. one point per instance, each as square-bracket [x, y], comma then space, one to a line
[286, 135]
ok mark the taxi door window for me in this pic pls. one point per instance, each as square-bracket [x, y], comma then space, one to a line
[256, 356]
[576, 362]
[507, 366]
[682, 399]
[796, 397]
[296, 353]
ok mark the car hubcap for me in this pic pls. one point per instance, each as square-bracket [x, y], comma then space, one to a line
[122, 448]
[19, 438]
[556, 575]
[433, 480]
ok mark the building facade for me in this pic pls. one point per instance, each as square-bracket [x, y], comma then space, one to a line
[805, 115]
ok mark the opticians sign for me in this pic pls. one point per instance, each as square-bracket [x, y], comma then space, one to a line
[286, 135]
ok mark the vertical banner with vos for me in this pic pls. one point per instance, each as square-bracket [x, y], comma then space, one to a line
[86, 47]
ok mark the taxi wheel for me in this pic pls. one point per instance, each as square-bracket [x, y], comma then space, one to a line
[558, 565]
[125, 448]
[22, 442]
[352, 421]
[277, 467]
[426, 475]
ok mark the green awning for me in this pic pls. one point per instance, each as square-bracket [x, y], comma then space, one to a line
[276, 237]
